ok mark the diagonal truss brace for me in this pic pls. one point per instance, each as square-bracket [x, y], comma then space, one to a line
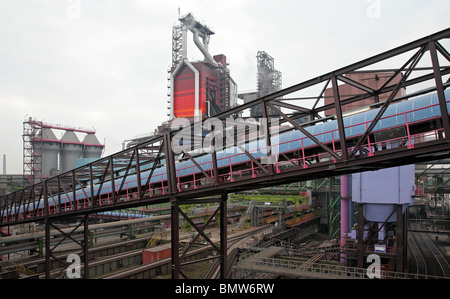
[309, 135]
[413, 61]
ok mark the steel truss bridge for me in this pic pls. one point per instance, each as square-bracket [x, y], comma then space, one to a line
[151, 172]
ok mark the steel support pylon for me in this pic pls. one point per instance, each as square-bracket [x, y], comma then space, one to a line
[177, 258]
[71, 268]
[400, 254]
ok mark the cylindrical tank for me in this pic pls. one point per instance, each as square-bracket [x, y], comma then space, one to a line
[71, 150]
[92, 147]
[48, 149]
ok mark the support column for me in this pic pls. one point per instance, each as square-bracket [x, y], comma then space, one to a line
[400, 236]
[50, 258]
[48, 250]
[440, 88]
[360, 237]
[345, 183]
[86, 247]
[175, 238]
[339, 119]
[223, 236]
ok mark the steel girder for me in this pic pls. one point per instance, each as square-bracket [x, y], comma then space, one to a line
[75, 268]
[220, 248]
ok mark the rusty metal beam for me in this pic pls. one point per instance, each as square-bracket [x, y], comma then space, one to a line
[245, 151]
[340, 119]
[175, 237]
[199, 167]
[224, 237]
[86, 247]
[291, 106]
[130, 163]
[170, 165]
[91, 182]
[440, 88]
[321, 94]
[267, 134]
[309, 135]
[49, 250]
[200, 232]
[358, 85]
[157, 162]
[412, 62]
[442, 50]
[138, 172]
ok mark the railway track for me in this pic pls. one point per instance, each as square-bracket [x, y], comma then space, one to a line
[233, 242]
[426, 258]
[418, 264]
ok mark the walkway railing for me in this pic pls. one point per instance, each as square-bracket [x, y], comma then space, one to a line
[321, 270]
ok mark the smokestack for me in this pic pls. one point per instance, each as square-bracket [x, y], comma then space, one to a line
[4, 163]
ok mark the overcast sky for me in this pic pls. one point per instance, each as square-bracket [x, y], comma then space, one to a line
[103, 63]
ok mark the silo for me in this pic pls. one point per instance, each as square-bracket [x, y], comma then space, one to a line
[92, 147]
[71, 150]
[49, 149]
[379, 191]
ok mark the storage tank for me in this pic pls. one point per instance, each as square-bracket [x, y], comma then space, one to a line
[71, 150]
[48, 150]
[379, 191]
[92, 147]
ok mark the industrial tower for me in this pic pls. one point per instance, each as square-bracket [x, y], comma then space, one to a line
[268, 80]
[199, 89]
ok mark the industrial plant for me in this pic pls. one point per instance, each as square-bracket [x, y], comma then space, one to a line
[358, 170]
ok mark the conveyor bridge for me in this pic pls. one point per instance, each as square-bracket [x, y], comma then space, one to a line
[168, 168]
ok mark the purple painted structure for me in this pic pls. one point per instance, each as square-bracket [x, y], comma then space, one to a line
[345, 190]
[381, 190]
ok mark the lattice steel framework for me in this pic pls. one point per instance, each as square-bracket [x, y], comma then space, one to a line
[32, 162]
[269, 79]
[177, 44]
